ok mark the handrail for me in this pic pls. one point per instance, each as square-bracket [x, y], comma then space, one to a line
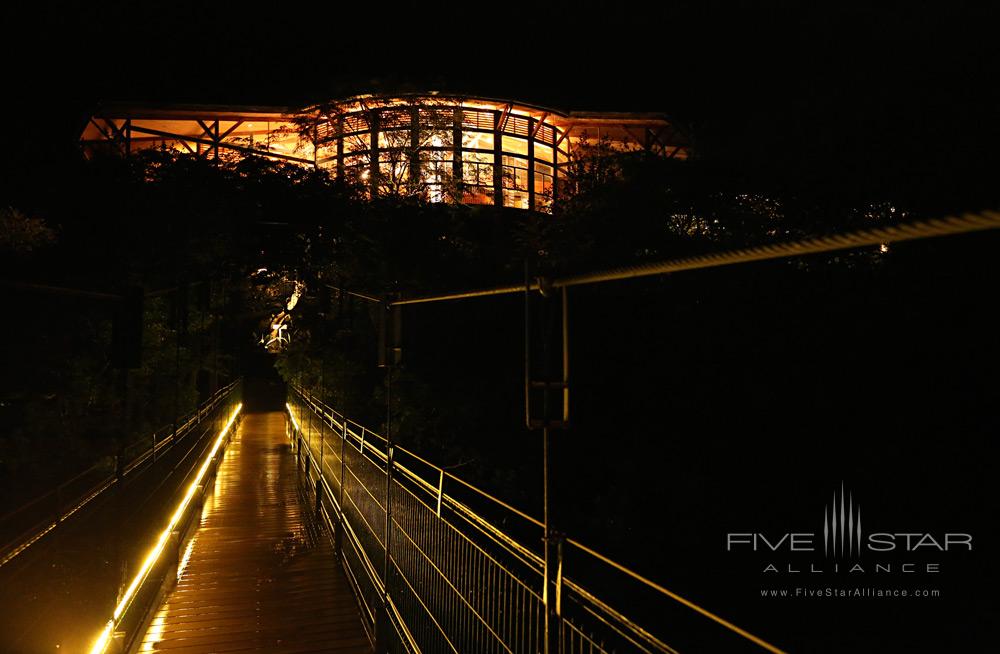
[459, 507]
[674, 596]
[593, 610]
[420, 480]
[32, 534]
[154, 557]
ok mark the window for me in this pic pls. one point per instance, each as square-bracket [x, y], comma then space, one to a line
[435, 171]
[515, 199]
[393, 164]
[357, 143]
[477, 174]
[477, 168]
[397, 138]
[515, 181]
[438, 139]
[477, 140]
[355, 123]
[478, 195]
[515, 173]
[543, 187]
[545, 133]
[515, 145]
[389, 118]
[516, 125]
[436, 119]
[356, 160]
[477, 119]
[436, 163]
[543, 152]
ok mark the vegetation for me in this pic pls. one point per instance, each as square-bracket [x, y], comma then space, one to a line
[248, 233]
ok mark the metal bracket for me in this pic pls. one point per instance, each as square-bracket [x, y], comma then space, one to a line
[541, 409]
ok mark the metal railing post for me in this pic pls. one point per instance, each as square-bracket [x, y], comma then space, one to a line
[309, 425]
[549, 560]
[546, 421]
[440, 491]
[343, 463]
[557, 590]
[389, 452]
[322, 443]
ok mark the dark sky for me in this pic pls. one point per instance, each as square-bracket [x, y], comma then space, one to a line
[899, 99]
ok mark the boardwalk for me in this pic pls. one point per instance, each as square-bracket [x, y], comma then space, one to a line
[256, 576]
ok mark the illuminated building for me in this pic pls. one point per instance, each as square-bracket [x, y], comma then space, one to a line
[446, 148]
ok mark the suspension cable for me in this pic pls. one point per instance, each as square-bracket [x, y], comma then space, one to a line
[923, 229]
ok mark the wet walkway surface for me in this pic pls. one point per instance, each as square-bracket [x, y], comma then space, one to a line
[256, 576]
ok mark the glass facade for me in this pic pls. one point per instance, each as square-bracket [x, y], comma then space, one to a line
[447, 151]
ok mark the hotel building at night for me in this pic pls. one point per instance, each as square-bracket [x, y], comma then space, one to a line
[499, 152]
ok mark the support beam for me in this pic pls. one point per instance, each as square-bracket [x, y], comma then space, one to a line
[565, 133]
[502, 123]
[531, 168]
[498, 158]
[230, 146]
[230, 130]
[538, 125]
[205, 129]
[639, 140]
[374, 171]
[656, 140]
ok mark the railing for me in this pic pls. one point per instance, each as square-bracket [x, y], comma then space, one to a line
[157, 573]
[23, 527]
[458, 578]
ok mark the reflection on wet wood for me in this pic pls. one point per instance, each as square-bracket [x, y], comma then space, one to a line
[256, 576]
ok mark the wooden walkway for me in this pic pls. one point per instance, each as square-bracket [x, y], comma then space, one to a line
[256, 577]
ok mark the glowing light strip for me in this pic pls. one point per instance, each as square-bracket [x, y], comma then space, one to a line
[105, 638]
[292, 416]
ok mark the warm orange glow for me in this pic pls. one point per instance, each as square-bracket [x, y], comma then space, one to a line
[340, 135]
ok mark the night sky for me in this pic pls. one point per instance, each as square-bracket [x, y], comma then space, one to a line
[897, 100]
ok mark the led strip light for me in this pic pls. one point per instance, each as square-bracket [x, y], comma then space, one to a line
[105, 638]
